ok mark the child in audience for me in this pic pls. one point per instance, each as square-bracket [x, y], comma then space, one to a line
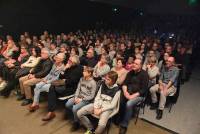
[84, 94]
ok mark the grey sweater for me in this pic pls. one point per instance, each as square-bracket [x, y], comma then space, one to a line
[86, 89]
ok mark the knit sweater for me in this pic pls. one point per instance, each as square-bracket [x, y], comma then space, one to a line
[86, 89]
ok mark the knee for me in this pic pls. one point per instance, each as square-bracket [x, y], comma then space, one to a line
[75, 109]
[129, 105]
[79, 113]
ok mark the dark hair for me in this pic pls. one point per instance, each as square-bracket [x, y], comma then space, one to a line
[76, 49]
[89, 69]
[37, 51]
[113, 76]
[122, 60]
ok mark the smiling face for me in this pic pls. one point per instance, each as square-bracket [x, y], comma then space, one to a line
[137, 65]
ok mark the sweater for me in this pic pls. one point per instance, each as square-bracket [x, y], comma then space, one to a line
[107, 102]
[86, 89]
[31, 62]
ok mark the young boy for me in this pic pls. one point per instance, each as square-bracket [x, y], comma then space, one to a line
[104, 104]
[84, 94]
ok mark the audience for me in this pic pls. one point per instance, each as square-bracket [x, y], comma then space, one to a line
[142, 62]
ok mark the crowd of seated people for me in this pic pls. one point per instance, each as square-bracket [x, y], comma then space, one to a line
[100, 68]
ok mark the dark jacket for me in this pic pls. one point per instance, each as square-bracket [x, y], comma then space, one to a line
[72, 77]
[42, 68]
[91, 62]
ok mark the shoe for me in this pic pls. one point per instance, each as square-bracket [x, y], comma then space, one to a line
[49, 117]
[122, 130]
[75, 126]
[159, 114]
[33, 108]
[153, 106]
[26, 102]
[4, 93]
[21, 97]
[89, 132]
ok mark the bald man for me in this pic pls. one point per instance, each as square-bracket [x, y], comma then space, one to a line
[166, 87]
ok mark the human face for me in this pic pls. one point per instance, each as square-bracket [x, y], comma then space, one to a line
[137, 65]
[108, 81]
[103, 59]
[73, 52]
[23, 49]
[166, 56]
[44, 54]
[119, 64]
[86, 73]
[90, 53]
[59, 58]
[169, 62]
[33, 52]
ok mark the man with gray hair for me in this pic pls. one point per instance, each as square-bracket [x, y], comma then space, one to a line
[34, 77]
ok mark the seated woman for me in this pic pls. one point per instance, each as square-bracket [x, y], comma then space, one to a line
[84, 94]
[152, 70]
[45, 84]
[101, 68]
[32, 61]
[104, 104]
[65, 86]
[121, 71]
[11, 67]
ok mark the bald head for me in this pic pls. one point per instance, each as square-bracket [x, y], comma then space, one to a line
[170, 61]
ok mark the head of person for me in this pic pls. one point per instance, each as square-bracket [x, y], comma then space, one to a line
[166, 56]
[74, 51]
[53, 46]
[168, 49]
[63, 48]
[59, 58]
[104, 59]
[40, 45]
[119, 54]
[122, 47]
[10, 44]
[170, 62]
[152, 61]
[137, 65]
[36, 51]
[155, 46]
[73, 60]
[104, 50]
[87, 72]
[111, 47]
[23, 49]
[90, 53]
[120, 63]
[111, 78]
[45, 53]
[137, 50]
[151, 53]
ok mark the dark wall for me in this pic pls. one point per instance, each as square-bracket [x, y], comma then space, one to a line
[55, 16]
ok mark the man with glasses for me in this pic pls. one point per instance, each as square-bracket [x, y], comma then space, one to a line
[166, 86]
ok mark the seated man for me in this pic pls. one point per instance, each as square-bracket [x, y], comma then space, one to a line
[167, 86]
[84, 94]
[89, 59]
[104, 105]
[134, 89]
[34, 77]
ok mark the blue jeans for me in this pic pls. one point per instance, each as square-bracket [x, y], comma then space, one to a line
[75, 107]
[129, 110]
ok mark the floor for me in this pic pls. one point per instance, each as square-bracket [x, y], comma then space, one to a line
[15, 119]
[184, 117]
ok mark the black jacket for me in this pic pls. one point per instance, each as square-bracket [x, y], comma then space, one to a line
[42, 68]
[72, 77]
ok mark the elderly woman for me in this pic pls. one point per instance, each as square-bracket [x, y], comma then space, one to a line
[102, 67]
[45, 84]
[65, 86]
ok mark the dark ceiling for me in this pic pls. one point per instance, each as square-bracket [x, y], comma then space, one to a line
[159, 6]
